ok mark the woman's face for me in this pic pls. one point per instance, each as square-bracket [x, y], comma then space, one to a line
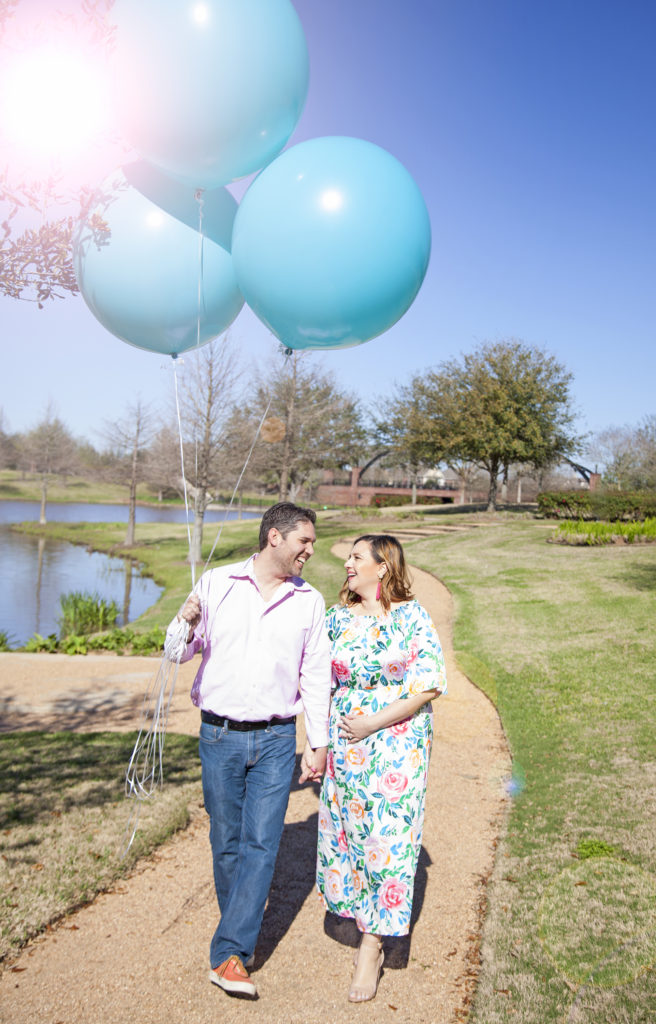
[362, 569]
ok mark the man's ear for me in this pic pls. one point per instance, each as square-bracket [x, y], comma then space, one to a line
[274, 537]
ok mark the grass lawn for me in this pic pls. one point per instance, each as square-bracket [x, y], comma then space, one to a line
[63, 820]
[563, 640]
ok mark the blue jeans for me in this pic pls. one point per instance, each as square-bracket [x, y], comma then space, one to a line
[246, 782]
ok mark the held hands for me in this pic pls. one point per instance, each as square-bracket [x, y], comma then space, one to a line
[313, 764]
[354, 728]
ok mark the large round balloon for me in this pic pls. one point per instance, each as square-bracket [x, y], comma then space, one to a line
[331, 243]
[209, 90]
[142, 265]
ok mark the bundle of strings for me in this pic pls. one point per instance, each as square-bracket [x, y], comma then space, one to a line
[145, 772]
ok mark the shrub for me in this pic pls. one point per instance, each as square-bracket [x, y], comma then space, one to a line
[5, 640]
[582, 532]
[390, 500]
[611, 506]
[85, 613]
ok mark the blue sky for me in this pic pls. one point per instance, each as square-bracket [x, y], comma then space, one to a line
[529, 127]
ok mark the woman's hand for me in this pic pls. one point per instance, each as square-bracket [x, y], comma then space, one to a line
[354, 728]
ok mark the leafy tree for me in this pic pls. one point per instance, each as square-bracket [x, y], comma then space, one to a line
[321, 427]
[401, 435]
[504, 403]
[128, 440]
[8, 452]
[49, 450]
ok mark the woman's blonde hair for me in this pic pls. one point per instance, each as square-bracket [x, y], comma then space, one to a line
[395, 584]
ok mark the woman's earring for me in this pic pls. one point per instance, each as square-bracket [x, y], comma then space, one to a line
[380, 581]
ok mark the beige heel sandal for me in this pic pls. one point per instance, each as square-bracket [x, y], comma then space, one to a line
[359, 993]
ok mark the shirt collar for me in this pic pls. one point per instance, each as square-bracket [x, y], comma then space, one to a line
[245, 572]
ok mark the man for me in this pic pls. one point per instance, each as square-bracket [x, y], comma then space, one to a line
[265, 650]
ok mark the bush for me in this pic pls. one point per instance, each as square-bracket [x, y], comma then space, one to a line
[394, 500]
[82, 613]
[609, 506]
[120, 641]
[582, 532]
[390, 500]
[5, 640]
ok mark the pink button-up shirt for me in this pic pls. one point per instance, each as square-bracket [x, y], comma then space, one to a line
[261, 659]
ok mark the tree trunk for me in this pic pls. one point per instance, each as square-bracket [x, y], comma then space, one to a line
[44, 498]
[285, 468]
[196, 552]
[127, 591]
[493, 470]
[519, 490]
[132, 501]
[414, 491]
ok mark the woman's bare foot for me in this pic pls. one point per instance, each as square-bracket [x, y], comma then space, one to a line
[368, 965]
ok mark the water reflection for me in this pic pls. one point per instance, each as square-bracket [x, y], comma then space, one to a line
[78, 512]
[35, 571]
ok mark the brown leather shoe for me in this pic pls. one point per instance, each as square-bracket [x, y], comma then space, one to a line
[233, 977]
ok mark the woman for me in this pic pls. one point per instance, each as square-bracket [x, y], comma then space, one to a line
[387, 666]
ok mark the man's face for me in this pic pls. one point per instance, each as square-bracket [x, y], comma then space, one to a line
[293, 551]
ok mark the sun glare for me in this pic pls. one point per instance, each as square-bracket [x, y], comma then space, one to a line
[54, 105]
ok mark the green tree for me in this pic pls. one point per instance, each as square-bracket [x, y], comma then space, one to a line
[505, 403]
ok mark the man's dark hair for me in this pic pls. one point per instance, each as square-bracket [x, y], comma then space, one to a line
[285, 517]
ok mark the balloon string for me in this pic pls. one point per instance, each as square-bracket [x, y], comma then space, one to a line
[184, 475]
[288, 353]
[230, 503]
[198, 195]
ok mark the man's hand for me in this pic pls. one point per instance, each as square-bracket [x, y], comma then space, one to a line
[190, 611]
[313, 764]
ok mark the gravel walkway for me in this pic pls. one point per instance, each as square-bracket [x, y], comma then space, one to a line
[139, 953]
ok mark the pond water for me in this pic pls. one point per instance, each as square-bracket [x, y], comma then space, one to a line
[35, 571]
[79, 512]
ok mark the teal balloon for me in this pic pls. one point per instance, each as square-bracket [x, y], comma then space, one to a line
[331, 243]
[209, 90]
[142, 265]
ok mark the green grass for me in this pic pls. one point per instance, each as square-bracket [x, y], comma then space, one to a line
[63, 816]
[27, 487]
[63, 821]
[563, 640]
[580, 531]
[83, 613]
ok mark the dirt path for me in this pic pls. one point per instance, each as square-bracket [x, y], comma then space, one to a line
[138, 954]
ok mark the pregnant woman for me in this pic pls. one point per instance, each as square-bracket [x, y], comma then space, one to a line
[387, 666]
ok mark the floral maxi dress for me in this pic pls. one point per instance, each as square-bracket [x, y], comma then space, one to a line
[371, 808]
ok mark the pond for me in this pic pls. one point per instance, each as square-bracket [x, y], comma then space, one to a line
[79, 512]
[35, 571]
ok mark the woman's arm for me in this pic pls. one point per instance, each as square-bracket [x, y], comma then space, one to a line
[357, 727]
